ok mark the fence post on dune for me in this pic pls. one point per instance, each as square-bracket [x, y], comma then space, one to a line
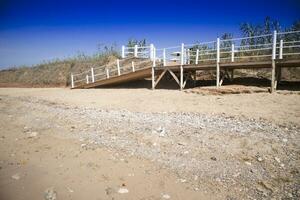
[92, 73]
[136, 51]
[87, 79]
[197, 56]
[123, 51]
[232, 52]
[151, 51]
[218, 63]
[72, 81]
[132, 65]
[152, 69]
[164, 57]
[181, 65]
[118, 66]
[273, 84]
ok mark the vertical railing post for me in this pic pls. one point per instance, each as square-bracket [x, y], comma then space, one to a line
[132, 65]
[136, 51]
[274, 45]
[123, 51]
[154, 57]
[118, 66]
[164, 57]
[181, 66]
[280, 49]
[92, 73]
[188, 56]
[153, 70]
[218, 62]
[197, 56]
[182, 54]
[107, 73]
[151, 51]
[232, 52]
[87, 79]
[273, 62]
[72, 81]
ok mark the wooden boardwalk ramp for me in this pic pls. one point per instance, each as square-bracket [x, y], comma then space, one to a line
[272, 51]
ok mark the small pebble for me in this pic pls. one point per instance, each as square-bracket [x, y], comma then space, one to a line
[166, 196]
[123, 191]
[16, 177]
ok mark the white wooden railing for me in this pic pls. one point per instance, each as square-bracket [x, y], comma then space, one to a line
[283, 45]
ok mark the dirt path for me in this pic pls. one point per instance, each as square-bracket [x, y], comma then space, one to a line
[76, 143]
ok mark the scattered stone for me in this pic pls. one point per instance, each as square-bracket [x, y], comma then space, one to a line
[50, 194]
[109, 191]
[70, 190]
[195, 177]
[259, 159]
[16, 177]
[277, 159]
[166, 196]
[33, 135]
[161, 131]
[83, 145]
[284, 140]
[182, 180]
[248, 163]
[213, 158]
[123, 190]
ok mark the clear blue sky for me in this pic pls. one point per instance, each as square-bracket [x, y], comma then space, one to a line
[35, 30]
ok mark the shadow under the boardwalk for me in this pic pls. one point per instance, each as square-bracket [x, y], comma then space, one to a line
[172, 85]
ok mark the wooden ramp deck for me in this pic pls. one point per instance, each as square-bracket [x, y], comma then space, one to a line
[122, 78]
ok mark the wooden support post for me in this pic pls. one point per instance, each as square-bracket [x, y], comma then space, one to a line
[218, 63]
[197, 56]
[164, 57]
[107, 73]
[273, 81]
[87, 79]
[232, 75]
[181, 66]
[118, 66]
[123, 51]
[132, 65]
[153, 69]
[232, 52]
[92, 73]
[280, 49]
[136, 51]
[181, 77]
[153, 77]
[72, 81]
[273, 63]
